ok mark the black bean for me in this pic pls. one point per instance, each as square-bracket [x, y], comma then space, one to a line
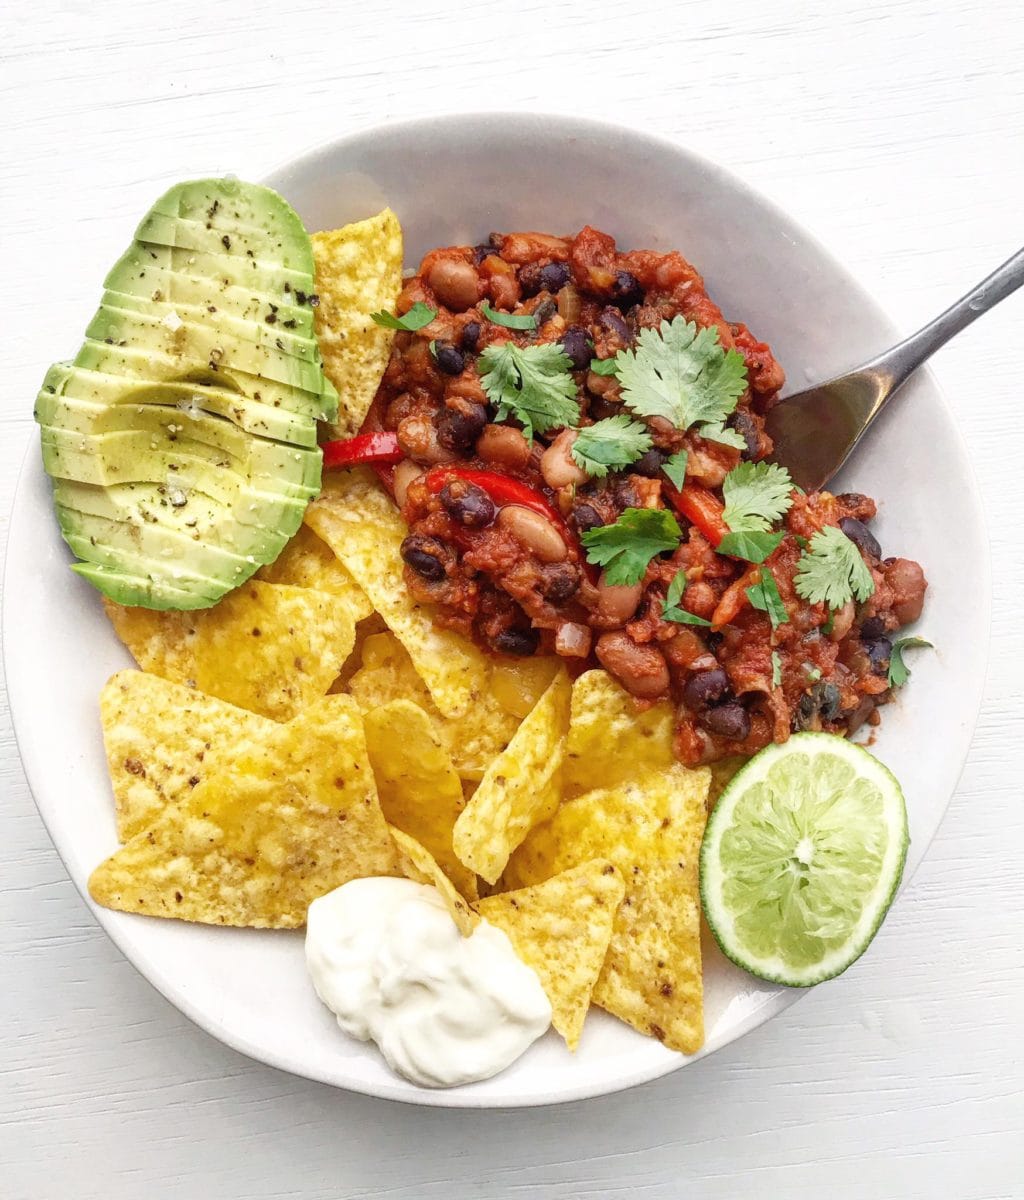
[829, 700]
[853, 500]
[467, 504]
[458, 428]
[879, 652]
[576, 343]
[470, 335]
[611, 319]
[529, 280]
[626, 290]
[871, 628]
[649, 464]
[804, 714]
[559, 582]
[481, 252]
[744, 425]
[586, 517]
[544, 312]
[599, 408]
[705, 687]
[421, 553]
[521, 642]
[448, 359]
[553, 277]
[861, 536]
[730, 720]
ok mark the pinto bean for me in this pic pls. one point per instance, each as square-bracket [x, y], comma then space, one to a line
[535, 532]
[455, 283]
[557, 464]
[617, 602]
[842, 621]
[641, 670]
[504, 447]
[405, 473]
[908, 584]
[417, 435]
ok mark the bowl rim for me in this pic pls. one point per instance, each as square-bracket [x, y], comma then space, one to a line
[493, 121]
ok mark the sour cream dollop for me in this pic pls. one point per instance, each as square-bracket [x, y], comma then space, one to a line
[386, 958]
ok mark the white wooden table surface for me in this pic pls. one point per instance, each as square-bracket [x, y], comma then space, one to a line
[895, 132]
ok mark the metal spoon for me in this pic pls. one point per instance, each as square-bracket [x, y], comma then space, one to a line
[815, 431]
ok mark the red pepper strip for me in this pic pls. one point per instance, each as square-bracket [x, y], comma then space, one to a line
[363, 448]
[701, 508]
[735, 597]
[504, 490]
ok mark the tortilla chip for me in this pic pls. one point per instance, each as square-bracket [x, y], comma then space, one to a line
[419, 865]
[474, 741]
[308, 562]
[163, 739]
[256, 842]
[364, 529]
[522, 787]
[611, 740]
[358, 272]
[419, 791]
[651, 829]
[562, 928]
[266, 647]
[722, 773]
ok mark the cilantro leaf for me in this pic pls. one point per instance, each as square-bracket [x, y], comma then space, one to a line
[675, 468]
[899, 672]
[604, 366]
[532, 384]
[417, 316]
[776, 669]
[671, 611]
[614, 442]
[508, 320]
[625, 548]
[831, 571]
[754, 547]
[715, 431]
[681, 373]
[764, 596]
[756, 496]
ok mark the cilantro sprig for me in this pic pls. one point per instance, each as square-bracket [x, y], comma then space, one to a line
[612, 443]
[764, 596]
[831, 571]
[675, 468]
[683, 374]
[756, 496]
[419, 315]
[531, 384]
[508, 320]
[899, 672]
[672, 610]
[626, 547]
[776, 669]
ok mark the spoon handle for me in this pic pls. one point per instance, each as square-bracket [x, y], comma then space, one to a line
[905, 357]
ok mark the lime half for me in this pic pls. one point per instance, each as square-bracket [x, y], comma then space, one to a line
[801, 858]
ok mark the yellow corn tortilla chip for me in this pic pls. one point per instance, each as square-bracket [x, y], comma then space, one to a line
[256, 842]
[308, 562]
[419, 791]
[364, 529]
[562, 928]
[611, 740]
[265, 647]
[474, 741]
[419, 865]
[358, 272]
[522, 787]
[162, 740]
[651, 829]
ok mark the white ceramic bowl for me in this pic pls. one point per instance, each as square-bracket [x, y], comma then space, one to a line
[452, 180]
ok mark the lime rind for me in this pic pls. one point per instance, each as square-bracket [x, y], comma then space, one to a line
[802, 857]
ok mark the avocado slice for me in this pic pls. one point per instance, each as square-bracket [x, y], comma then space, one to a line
[92, 402]
[182, 438]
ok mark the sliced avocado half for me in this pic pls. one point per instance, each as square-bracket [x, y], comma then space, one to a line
[182, 439]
